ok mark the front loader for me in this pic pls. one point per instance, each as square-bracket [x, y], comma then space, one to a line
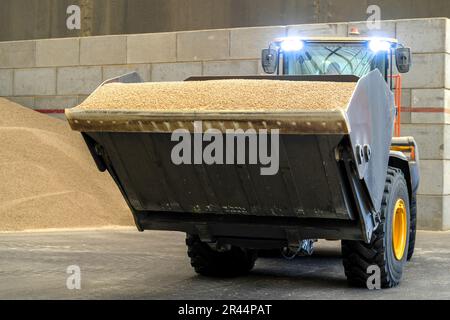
[315, 154]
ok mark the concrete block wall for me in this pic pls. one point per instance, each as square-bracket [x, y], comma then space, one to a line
[427, 87]
[54, 74]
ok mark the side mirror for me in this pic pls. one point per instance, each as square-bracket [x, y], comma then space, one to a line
[403, 59]
[269, 60]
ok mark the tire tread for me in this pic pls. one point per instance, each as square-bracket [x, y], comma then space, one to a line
[358, 255]
[208, 262]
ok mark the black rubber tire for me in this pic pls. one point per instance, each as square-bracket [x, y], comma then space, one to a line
[208, 262]
[412, 228]
[359, 255]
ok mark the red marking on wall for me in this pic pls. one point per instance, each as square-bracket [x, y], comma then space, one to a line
[425, 109]
[50, 111]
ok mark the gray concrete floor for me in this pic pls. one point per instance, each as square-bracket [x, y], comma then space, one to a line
[118, 264]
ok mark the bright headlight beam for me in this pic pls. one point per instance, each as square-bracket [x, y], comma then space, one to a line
[292, 44]
[378, 45]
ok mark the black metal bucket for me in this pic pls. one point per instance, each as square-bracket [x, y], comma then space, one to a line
[332, 168]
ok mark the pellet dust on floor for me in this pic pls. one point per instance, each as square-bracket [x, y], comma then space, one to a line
[125, 264]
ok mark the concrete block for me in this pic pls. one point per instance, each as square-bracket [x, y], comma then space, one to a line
[17, 54]
[247, 43]
[37, 81]
[231, 68]
[446, 214]
[447, 71]
[6, 82]
[432, 181]
[430, 211]
[428, 71]
[23, 101]
[317, 29]
[155, 47]
[103, 50]
[432, 103]
[203, 45]
[434, 177]
[406, 103]
[447, 36]
[386, 30]
[423, 35]
[175, 71]
[55, 102]
[78, 80]
[57, 52]
[431, 140]
[113, 71]
[446, 166]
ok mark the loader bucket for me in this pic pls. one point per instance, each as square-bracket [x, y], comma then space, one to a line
[333, 149]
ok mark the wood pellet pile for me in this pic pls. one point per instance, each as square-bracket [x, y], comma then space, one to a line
[48, 179]
[221, 96]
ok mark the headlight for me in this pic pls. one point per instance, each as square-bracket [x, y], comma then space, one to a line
[292, 44]
[378, 45]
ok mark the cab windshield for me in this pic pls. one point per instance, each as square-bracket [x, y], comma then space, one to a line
[335, 59]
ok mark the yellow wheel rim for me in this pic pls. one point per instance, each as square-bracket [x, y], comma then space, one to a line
[399, 229]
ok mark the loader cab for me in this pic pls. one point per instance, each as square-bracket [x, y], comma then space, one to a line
[336, 56]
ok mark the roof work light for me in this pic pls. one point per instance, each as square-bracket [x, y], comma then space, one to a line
[292, 44]
[377, 45]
